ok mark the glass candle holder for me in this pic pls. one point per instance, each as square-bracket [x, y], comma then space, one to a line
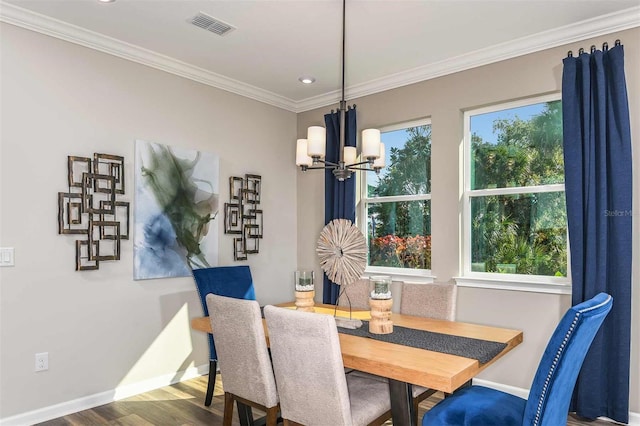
[380, 287]
[304, 280]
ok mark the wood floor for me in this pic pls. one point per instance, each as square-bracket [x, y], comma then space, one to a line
[183, 404]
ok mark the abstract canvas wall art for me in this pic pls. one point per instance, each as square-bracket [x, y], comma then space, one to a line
[176, 210]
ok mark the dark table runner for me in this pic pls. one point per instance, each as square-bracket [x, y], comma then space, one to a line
[482, 350]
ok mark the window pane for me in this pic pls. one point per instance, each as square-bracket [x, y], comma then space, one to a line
[399, 234]
[519, 234]
[517, 147]
[408, 163]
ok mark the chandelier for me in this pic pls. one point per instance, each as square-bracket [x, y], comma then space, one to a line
[310, 152]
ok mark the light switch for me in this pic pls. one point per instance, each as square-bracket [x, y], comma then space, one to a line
[6, 256]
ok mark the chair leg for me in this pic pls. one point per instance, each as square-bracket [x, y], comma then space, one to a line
[272, 416]
[228, 409]
[213, 365]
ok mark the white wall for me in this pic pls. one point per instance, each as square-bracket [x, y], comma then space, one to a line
[102, 329]
[444, 99]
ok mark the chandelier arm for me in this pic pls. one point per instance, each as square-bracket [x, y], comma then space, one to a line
[363, 169]
[330, 167]
[326, 163]
[359, 164]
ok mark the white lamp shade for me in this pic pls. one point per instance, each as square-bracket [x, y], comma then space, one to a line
[350, 154]
[379, 162]
[316, 141]
[302, 159]
[371, 143]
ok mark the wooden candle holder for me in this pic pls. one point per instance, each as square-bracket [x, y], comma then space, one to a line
[380, 316]
[304, 301]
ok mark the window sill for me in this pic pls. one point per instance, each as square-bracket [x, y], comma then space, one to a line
[413, 275]
[514, 285]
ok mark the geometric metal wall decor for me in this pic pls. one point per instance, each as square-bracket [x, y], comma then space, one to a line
[242, 215]
[90, 208]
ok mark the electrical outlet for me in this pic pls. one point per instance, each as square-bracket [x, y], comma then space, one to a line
[42, 361]
[7, 256]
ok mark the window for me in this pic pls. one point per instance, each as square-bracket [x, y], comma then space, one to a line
[395, 206]
[515, 220]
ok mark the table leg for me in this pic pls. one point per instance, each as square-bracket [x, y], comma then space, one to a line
[401, 403]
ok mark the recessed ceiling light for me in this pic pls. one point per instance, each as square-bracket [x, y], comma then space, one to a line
[106, 1]
[306, 80]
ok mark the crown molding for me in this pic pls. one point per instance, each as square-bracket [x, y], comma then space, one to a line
[602, 25]
[55, 28]
[614, 22]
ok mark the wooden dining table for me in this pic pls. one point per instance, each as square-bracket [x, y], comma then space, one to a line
[407, 366]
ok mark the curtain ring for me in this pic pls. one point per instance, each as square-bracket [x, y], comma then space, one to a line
[617, 42]
[605, 46]
[570, 54]
[593, 48]
[581, 51]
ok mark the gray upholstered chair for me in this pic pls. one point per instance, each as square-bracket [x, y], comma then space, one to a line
[245, 365]
[436, 300]
[312, 385]
[230, 281]
[356, 293]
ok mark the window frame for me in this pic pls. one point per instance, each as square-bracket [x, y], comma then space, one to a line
[537, 283]
[362, 200]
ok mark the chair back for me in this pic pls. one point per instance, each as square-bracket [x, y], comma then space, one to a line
[242, 349]
[356, 294]
[231, 281]
[308, 366]
[550, 394]
[435, 300]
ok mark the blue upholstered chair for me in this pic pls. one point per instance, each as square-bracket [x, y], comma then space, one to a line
[550, 394]
[229, 281]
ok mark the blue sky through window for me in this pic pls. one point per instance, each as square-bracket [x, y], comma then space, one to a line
[391, 139]
[482, 124]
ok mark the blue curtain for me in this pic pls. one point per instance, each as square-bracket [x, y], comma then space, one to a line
[598, 184]
[339, 197]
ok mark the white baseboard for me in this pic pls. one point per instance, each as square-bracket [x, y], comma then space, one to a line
[95, 400]
[634, 418]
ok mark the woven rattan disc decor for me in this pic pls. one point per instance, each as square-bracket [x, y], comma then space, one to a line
[342, 251]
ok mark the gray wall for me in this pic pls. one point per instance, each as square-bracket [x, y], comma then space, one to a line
[103, 330]
[445, 99]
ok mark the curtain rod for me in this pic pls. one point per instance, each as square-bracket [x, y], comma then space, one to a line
[605, 47]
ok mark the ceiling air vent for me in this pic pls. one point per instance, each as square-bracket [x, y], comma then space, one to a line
[210, 23]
